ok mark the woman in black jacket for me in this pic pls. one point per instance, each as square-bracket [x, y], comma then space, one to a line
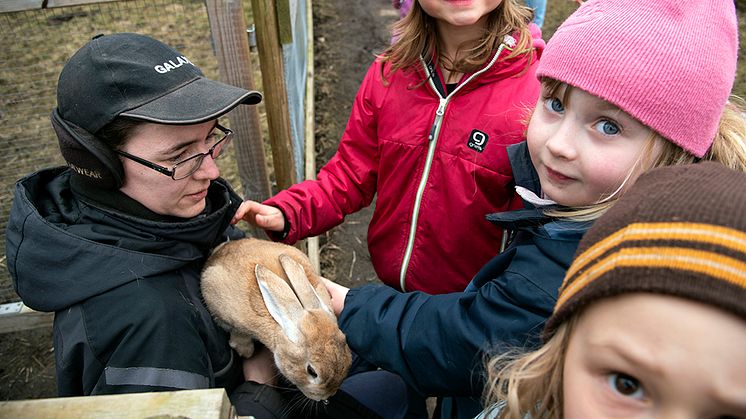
[115, 242]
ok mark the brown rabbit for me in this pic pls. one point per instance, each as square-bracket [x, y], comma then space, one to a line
[243, 289]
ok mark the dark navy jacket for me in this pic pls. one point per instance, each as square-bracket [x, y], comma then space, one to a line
[438, 343]
[125, 288]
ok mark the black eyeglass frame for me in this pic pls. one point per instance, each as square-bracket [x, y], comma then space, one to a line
[172, 171]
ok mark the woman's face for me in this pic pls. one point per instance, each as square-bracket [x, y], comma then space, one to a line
[167, 145]
[655, 356]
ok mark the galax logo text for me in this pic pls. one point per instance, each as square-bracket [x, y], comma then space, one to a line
[171, 65]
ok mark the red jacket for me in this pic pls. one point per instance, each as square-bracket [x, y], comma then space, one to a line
[438, 164]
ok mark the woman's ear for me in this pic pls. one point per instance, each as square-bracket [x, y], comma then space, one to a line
[86, 155]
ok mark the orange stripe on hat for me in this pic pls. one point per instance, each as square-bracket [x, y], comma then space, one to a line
[693, 232]
[680, 258]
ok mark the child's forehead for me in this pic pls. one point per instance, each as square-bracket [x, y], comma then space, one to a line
[570, 93]
[643, 316]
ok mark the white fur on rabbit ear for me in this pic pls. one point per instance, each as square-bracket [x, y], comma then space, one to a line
[281, 302]
[302, 287]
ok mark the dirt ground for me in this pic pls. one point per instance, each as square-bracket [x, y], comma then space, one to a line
[347, 34]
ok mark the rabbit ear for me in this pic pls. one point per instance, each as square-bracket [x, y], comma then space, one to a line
[281, 302]
[301, 285]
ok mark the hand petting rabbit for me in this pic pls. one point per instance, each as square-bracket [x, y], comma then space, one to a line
[243, 287]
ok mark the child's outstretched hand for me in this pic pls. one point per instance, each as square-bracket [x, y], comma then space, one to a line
[260, 215]
[338, 294]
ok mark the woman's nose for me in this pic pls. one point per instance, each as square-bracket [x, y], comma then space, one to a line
[208, 169]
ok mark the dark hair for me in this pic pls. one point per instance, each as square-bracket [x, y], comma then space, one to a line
[116, 133]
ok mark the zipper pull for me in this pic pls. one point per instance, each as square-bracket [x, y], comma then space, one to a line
[438, 116]
[432, 133]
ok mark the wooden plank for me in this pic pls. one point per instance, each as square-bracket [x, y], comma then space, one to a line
[285, 20]
[275, 92]
[310, 137]
[206, 403]
[21, 5]
[65, 3]
[15, 317]
[228, 28]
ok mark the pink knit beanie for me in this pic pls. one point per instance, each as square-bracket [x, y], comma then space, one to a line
[668, 63]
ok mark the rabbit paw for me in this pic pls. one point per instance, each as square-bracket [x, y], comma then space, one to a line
[243, 344]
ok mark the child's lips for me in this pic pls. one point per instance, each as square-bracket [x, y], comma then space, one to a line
[557, 176]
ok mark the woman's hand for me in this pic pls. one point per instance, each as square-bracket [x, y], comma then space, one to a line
[260, 368]
[338, 293]
[260, 215]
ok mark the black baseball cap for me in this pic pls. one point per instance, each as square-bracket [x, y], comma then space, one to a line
[137, 76]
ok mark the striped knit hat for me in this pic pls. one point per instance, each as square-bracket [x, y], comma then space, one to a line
[668, 63]
[680, 230]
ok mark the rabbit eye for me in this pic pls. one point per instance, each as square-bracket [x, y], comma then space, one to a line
[311, 371]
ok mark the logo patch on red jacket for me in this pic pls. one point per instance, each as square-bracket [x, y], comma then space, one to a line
[477, 140]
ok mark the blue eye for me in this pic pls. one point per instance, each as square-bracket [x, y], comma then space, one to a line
[607, 127]
[626, 385]
[554, 105]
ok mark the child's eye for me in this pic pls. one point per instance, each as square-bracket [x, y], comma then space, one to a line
[607, 127]
[554, 105]
[626, 385]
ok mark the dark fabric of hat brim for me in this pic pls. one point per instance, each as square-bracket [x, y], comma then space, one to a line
[193, 103]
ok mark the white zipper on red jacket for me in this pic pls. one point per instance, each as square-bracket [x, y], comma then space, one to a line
[432, 142]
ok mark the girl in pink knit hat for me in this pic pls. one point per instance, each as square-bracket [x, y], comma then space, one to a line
[627, 87]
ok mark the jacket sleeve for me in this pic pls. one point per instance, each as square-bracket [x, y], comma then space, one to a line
[347, 182]
[438, 343]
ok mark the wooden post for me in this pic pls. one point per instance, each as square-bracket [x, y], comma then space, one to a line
[310, 152]
[275, 92]
[228, 29]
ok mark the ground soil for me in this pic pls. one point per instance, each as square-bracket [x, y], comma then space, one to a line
[347, 34]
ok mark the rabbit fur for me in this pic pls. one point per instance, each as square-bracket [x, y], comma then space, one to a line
[258, 289]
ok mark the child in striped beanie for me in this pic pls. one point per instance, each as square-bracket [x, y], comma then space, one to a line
[651, 316]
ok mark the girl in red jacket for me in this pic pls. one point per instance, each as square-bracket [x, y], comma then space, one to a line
[427, 133]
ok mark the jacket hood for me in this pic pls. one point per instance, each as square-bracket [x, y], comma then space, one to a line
[61, 251]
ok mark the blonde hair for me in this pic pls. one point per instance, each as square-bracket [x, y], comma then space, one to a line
[728, 148]
[417, 36]
[530, 383]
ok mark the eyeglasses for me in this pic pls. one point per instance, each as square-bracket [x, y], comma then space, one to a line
[186, 167]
